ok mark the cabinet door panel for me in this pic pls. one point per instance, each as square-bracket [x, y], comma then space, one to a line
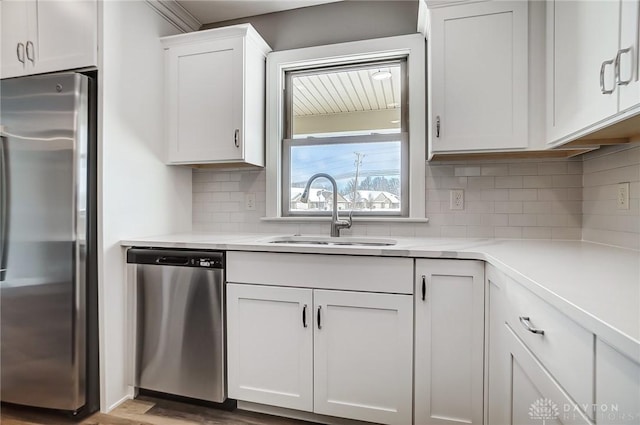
[270, 352]
[14, 30]
[629, 61]
[66, 37]
[363, 356]
[577, 53]
[479, 76]
[617, 386]
[534, 394]
[449, 341]
[205, 93]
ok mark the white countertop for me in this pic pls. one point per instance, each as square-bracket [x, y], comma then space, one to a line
[596, 285]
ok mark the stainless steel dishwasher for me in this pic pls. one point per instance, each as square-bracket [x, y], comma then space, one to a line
[180, 327]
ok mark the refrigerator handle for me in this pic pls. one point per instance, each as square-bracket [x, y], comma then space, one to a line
[4, 203]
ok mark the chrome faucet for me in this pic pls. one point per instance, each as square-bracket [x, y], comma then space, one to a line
[336, 224]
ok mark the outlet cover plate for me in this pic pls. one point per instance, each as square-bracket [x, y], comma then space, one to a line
[456, 199]
[622, 196]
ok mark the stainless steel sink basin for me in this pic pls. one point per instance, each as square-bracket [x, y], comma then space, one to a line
[332, 241]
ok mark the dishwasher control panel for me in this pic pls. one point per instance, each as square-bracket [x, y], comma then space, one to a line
[176, 257]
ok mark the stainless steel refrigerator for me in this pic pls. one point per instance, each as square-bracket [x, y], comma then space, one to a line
[48, 300]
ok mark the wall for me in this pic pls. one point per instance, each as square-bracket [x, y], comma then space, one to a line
[602, 221]
[525, 199]
[139, 195]
[332, 23]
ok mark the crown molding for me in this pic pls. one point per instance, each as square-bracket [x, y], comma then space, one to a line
[173, 12]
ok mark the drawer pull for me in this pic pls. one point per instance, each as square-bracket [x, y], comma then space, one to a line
[319, 319]
[424, 288]
[304, 316]
[526, 322]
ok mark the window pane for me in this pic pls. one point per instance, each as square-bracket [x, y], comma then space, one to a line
[368, 176]
[347, 101]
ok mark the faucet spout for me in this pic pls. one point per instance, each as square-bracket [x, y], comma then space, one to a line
[336, 223]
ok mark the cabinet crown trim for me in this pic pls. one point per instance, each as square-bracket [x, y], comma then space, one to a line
[241, 30]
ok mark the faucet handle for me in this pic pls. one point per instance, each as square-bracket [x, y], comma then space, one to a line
[349, 222]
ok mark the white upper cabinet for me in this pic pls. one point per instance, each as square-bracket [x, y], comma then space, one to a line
[215, 90]
[628, 79]
[47, 36]
[592, 65]
[478, 79]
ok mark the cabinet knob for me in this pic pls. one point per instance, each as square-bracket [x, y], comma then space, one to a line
[31, 52]
[20, 52]
[236, 137]
[603, 67]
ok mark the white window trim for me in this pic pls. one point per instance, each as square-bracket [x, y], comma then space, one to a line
[413, 46]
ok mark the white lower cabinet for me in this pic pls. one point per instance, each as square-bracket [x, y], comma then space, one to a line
[270, 345]
[338, 353]
[449, 342]
[617, 386]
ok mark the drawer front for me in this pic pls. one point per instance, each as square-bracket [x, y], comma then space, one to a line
[343, 272]
[565, 349]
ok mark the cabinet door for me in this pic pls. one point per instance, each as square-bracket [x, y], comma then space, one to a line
[14, 35]
[449, 357]
[270, 345]
[498, 361]
[617, 386]
[363, 356]
[534, 395]
[479, 76]
[67, 35]
[629, 55]
[205, 98]
[577, 55]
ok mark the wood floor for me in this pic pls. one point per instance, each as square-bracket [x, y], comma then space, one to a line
[146, 411]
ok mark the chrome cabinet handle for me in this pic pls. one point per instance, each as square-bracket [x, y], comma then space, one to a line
[319, 317]
[602, 69]
[619, 80]
[30, 52]
[236, 137]
[424, 288]
[438, 126]
[526, 322]
[20, 52]
[304, 316]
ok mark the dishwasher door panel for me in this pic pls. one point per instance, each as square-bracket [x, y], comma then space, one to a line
[180, 335]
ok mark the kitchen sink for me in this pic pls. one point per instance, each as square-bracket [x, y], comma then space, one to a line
[331, 241]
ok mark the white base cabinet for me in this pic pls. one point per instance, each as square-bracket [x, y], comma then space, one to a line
[40, 36]
[449, 342]
[617, 386]
[270, 345]
[346, 354]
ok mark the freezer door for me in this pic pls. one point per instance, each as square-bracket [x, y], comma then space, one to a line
[42, 308]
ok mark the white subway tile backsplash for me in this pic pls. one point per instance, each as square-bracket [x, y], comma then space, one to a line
[602, 221]
[517, 199]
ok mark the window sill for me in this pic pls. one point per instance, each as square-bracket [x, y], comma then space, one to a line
[355, 219]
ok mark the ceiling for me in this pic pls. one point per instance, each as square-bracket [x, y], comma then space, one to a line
[346, 91]
[209, 11]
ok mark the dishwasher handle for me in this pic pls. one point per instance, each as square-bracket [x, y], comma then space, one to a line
[172, 261]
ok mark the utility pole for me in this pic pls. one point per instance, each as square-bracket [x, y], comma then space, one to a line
[358, 163]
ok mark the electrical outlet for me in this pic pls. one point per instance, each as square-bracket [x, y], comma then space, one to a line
[622, 196]
[250, 201]
[456, 199]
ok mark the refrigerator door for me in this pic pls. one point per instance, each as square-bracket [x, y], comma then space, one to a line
[42, 307]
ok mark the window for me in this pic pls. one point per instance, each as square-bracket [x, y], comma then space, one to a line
[355, 111]
[348, 122]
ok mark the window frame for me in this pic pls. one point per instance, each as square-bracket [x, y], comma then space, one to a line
[279, 63]
[401, 136]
